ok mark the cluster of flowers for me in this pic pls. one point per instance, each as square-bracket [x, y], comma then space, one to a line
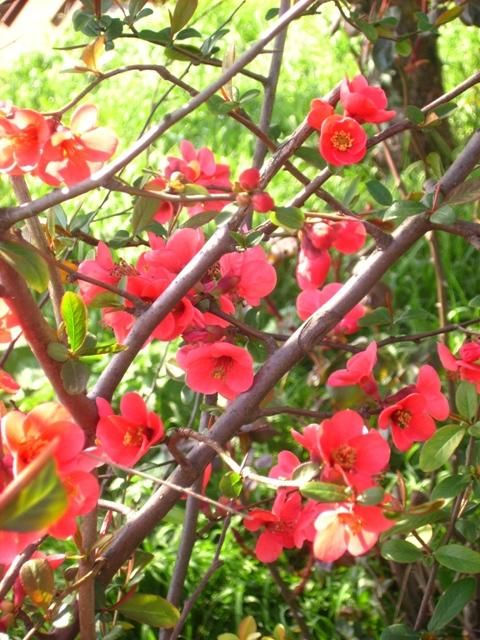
[198, 168]
[57, 154]
[352, 456]
[346, 236]
[467, 366]
[342, 140]
[213, 364]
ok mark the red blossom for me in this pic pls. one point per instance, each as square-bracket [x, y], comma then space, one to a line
[319, 110]
[342, 141]
[7, 383]
[312, 272]
[247, 274]
[467, 366]
[359, 371]
[363, 102]
[409, 420]
[249, 179]
[73, 154]
[166, 209]
[348, 527]
[22, 137]
[8, 321]
[218, 367]
[429, 386]
[127, 437]
[311, 300]
[103, 269]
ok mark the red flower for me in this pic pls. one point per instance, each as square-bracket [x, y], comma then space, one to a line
[311, 300]
[247, 274]
[165, 209]
[363, 102]
[428, 385]
[466, 366]
[249, 179]
[359, 371]
[83, 492]
[342, 141]
[7, 383]
[73, 154]
[319, 110]
[102, 268]
[22, 138]
[262, 202]
[287, 463]
[278, 526]
[127, 437]
[349, 451]
[312, 271]
[218, 367]
[409, 420]
[8, 321]
[353, 528]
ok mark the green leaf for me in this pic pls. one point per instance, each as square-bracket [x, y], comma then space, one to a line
[458, 558]
[466, 399]
[368, 30]
[399, 632]
[311, 155]
[184, 52]
[219, 106]
[58, 351]
[74, 314]
[227, 636]
[474, 430]
[143, 212]
[449, 15]
[371, 496]
[400, 551]
[38, 582]
[184, 10]
[414, 114]
[288, 217]
[379, 192]
[404, 209]
[27, 263]
[437, 451]
[444, 215]
[188, 33]
[468, 191]
[378, 316]
[231, 484]
[102, 349]
[40, 503]
[451, 603]
[162, 37]
[444, 110]
[403, 47]
[450, 487]
[306, 472]
[324, 492]
[74, 376]
[151, 610]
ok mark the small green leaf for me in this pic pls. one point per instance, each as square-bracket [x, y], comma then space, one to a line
[414, 114]
[450, 487]
[378, 316]
[102, 349]
[231, 484]
[368, 30]
[324, 492]
[219, 106]
[404, 209]
[444, 110]
[58, 351]
[74, 376]
[466, 399]
[38, 504]
[458, 558]
[399, 632]
[444, 215]
[403, 47]
[38, 582]
[305, 472]
[74, 314]
[199, 220]
[151, 610]
[371, 496]
[449, 15]
[312, 156]
[437, 451]
[184, 10]
[451, 603]
[289, 217]
[379, 192]
[184, 52]
[227, 636]
[161, 37]
[143, 212]
[400, 551]
[474, 430]
[26, 261]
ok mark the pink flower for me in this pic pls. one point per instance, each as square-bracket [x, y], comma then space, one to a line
[359, 371]
[103, 269]
[363, 102]
[353, 528]
[247, 275]
[7, 383]
[22, 137]
[342, 141]
[309, 301]
[8, 321]
[409, 420]
[83, 492]
[319, 111]
[278, 526]
[428, 385]
[218, 367]
[73, 154]
[467, 366]
[312, 271]
[249, 179]
[127, 437]
[287, 463]
[165, 209]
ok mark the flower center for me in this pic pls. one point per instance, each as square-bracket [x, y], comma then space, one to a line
[30, 449]
[354, 523]
[345, 456]
[135, 435]
[402, 418]
[122, 269]
[341, 140]
[222, 365]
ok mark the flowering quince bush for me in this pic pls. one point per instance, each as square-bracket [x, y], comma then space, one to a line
[217, 344]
